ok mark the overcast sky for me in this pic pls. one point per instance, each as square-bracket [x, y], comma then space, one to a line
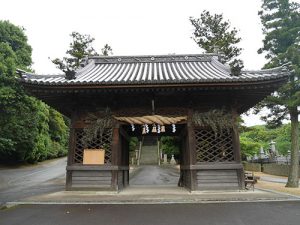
[130, 27]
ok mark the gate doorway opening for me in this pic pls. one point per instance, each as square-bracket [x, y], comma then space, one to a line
[155, 158]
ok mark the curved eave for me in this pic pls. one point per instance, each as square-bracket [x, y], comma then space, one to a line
[158, 71]
[237, 80]
[242, 83]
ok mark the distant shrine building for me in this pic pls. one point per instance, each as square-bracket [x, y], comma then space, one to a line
[193, 97]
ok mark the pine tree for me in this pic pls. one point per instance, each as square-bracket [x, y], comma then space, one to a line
[281, 27]
[80, 47]
[106, 50]
[212, 33]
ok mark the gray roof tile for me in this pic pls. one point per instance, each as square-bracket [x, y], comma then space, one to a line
[154, 70]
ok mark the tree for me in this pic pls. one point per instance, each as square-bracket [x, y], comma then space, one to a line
[281, 27]
[24, 120]
[14, 36]
[106, 50]
[248, 147]
[212, 34]
[170, 146]
[8, 60]
[79, 48]
[14, 52]
[253, 138]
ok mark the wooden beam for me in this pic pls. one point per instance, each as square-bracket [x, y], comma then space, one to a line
[96, 167]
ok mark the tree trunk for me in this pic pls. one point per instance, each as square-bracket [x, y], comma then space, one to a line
[293, 179]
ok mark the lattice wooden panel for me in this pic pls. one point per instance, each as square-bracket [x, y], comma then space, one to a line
[78, 152]
[211, 147]
[104, 142]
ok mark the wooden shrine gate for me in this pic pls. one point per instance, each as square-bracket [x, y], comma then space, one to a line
[208, 161]
[190, 86]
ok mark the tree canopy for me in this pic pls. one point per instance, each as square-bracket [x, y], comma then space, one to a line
[26, 124]
[14, 37]
[253, 138]
[170, 146]
[281, 27]
[106, 50]
[213, 34]
[80, 47]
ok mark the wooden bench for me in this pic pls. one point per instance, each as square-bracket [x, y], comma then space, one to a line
[250, 180]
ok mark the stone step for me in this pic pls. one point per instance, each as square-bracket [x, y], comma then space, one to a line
[149, 141]
[149, 155]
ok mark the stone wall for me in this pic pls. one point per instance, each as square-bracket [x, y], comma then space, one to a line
[277, 169]
[269, 168]
[252, 166]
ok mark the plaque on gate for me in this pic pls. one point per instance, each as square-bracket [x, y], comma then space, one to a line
[93, 156]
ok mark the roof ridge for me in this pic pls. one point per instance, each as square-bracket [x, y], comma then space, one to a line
[152, 58]
[152, 55]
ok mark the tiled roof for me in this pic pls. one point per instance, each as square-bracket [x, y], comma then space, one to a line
[168, 69]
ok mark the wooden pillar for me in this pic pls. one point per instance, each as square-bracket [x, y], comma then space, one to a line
[124, 155]
[126, 161]
[71, 150]
[183, 150]
[115, 158]
[191, 152]
[237, 149]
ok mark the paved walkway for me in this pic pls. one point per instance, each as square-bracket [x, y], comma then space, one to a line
[158, 185]
[271, 178]
[151, 175]
[149, 185]
[275, 183]
[154, 196]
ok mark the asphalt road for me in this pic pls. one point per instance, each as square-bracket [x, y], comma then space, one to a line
[22, 182]
[268, 213]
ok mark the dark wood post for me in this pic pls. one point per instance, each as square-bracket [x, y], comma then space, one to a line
[115, 158]
[71, 150]
[124, 158]
[191, 151]
[237, 148]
